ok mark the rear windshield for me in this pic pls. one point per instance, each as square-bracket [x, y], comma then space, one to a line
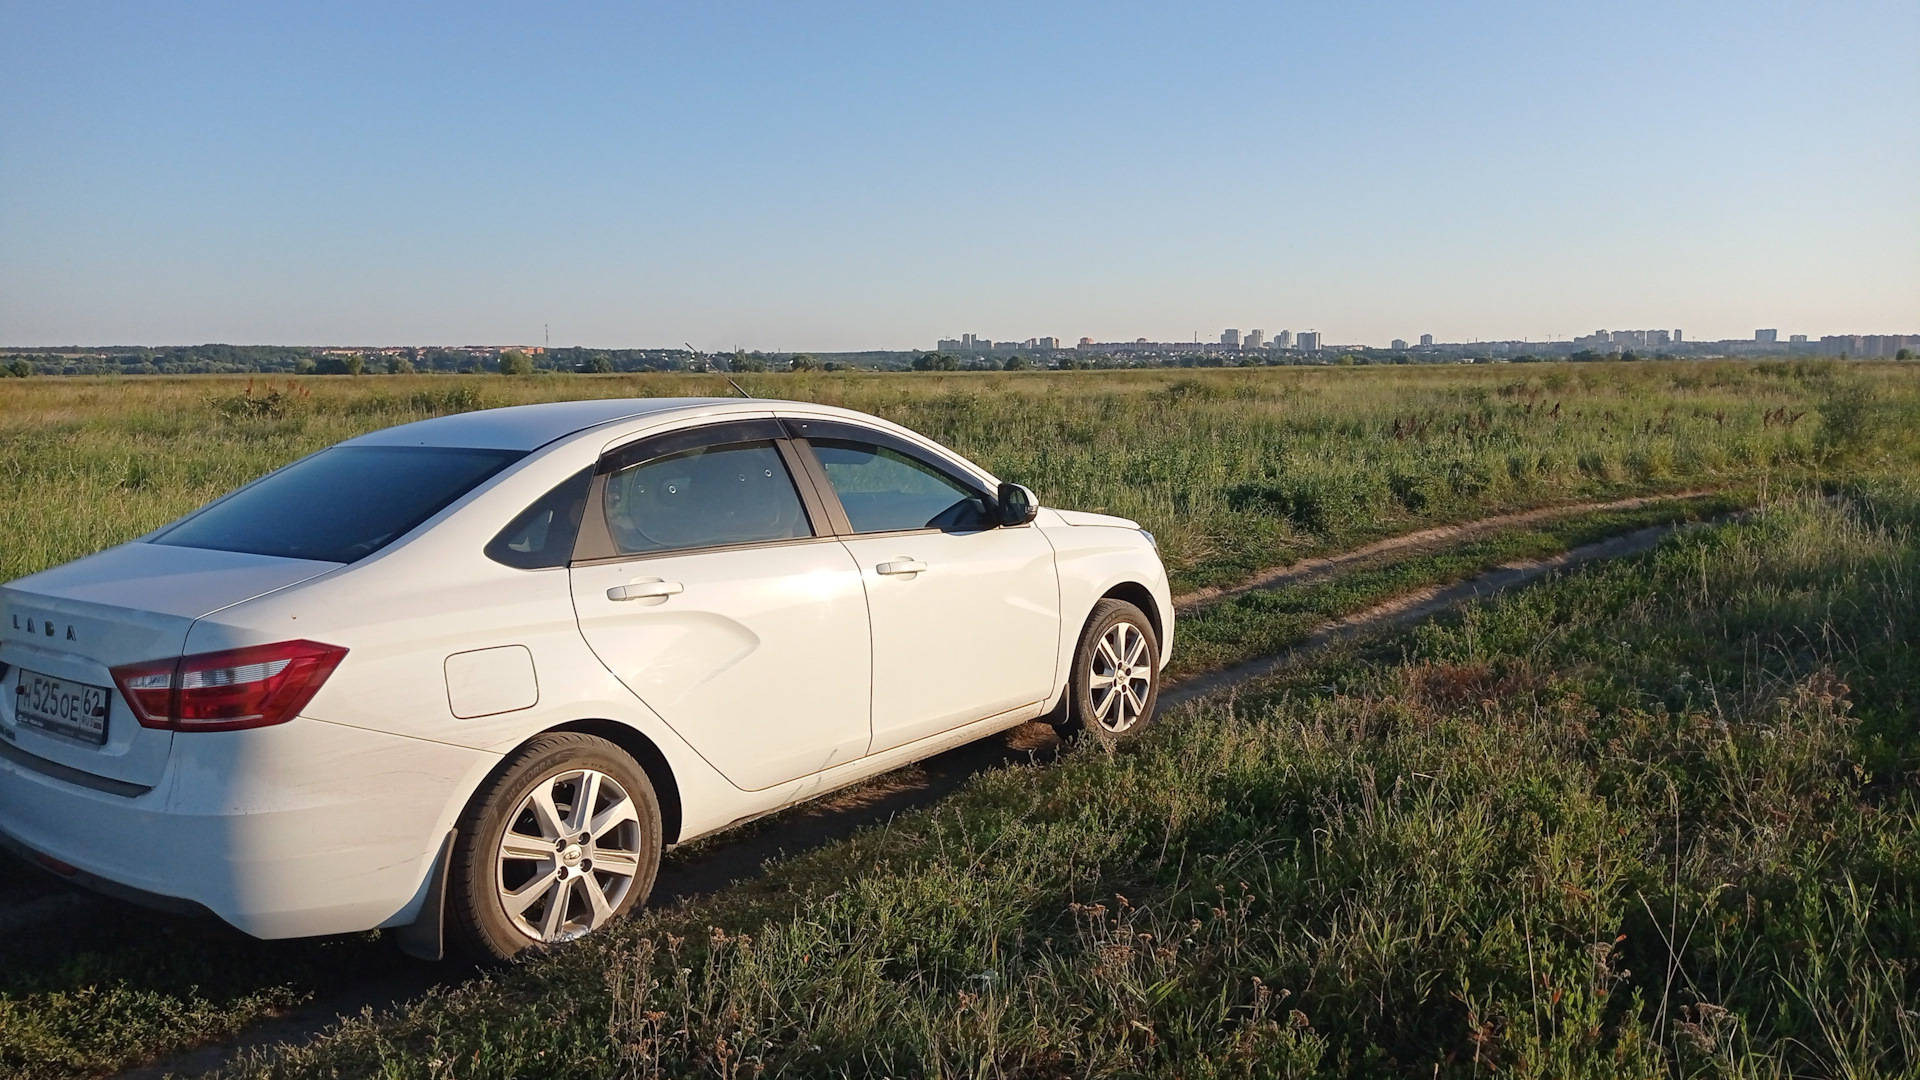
[341, 504]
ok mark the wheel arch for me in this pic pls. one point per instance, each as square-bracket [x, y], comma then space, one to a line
[1133, 592]
[1141, 597]
[652, 762]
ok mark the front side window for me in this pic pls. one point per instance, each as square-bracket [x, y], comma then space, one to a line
[342, 504]
[740, 493]
[884, 490]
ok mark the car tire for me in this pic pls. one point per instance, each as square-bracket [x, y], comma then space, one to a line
[532, 867]
[1106, 703]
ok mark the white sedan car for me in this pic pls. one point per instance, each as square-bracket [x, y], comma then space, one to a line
[468, 677]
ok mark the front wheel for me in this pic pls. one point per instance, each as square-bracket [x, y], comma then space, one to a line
[563, 840]
[1116, 673]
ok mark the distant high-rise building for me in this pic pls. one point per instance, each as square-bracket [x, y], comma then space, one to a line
[1049, 343]
[948, 345]
[1426, 339]
[1309, 341]
[1283, 340]
[1086, 343]
[1867, 344]
[1798, 339]
[1766, 337]
[1678, 337]
[1230, 338]
[1256, 339]
[1399, 343]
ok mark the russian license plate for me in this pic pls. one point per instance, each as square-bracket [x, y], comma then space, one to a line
[76, 710]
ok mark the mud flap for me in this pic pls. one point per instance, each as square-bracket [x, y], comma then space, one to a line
[425, 937]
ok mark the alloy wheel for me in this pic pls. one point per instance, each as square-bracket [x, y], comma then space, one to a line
[569, 855]
[1120, 679]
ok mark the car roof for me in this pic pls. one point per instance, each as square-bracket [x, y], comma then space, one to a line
[529, 427]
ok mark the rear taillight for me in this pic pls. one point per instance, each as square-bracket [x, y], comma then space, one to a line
[149, 689]
[225, 691]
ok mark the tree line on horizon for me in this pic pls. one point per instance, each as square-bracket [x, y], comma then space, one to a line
[215, 359]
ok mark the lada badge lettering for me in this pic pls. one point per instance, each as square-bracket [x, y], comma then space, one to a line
[44, 626]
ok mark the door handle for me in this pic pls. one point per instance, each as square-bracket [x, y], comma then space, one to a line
[652, 589]
[901, 566]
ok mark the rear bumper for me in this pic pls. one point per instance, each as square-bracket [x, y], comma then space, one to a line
[301, 829]
[95, 883]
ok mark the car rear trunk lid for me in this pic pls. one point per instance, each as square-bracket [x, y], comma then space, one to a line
[72, 624]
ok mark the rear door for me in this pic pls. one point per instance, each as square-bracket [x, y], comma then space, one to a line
[701, 581]
[966, 614]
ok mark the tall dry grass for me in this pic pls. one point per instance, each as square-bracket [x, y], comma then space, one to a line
[1231, 469]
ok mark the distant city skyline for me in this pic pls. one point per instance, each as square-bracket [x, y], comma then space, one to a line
[834, 176]
[1230, 339]
[969, 352]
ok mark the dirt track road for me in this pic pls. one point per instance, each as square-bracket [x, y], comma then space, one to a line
[1310, 570]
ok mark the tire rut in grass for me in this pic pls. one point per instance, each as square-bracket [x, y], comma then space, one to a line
[1413, 606]
[1306, 571]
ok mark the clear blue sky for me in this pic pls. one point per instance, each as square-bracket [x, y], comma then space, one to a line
[835, 176]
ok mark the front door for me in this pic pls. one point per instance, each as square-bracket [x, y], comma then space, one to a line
[966, 615]
[714, 601]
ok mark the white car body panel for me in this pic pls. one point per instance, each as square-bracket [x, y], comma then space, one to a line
[762, 664]
[812, 787]
[1083, 517]
[332, 821]
[179, 581]
[72, 622]
[974, 634]
[301, 829]
[1094, 558]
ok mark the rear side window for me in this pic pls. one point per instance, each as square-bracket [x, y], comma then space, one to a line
[735, 494]
[883, 490]
[542, 536]
[341, 504]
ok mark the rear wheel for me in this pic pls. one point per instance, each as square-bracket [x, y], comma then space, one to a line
[1116, 673]
[562, 841]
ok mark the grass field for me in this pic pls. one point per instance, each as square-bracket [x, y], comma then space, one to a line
[1635, 822]
[1385, 845]
[1233, 470]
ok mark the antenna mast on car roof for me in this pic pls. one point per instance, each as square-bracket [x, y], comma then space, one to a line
[707, 362]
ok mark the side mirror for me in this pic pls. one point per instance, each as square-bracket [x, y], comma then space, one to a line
[1018, 506]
